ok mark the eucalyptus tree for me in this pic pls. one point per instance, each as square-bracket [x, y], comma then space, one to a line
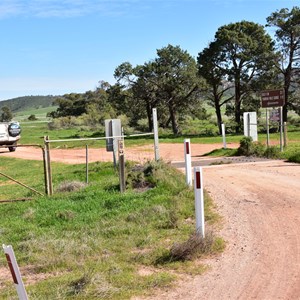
[217, 91]
[287, 36]
[245, 54]
[169, 82]
[139, 85]
[6, 114]
[178, 83]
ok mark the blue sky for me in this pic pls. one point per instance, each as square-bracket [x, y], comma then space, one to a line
[53, 47]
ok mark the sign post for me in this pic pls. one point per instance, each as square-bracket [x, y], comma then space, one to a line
[188, 162]
[121, 166]
[274, 98]
[281, 129]
[15, 272]
[199, 201]
[224, 135]
[155, 130]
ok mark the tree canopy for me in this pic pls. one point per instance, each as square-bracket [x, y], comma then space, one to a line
[287, 24]
[169, 81]
[244, 53]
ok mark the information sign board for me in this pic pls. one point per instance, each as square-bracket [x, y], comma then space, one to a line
[272, 98]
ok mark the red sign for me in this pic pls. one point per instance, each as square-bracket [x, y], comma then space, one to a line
[198, 180]
[272, 98]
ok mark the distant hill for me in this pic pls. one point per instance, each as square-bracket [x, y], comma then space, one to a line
[28, 102]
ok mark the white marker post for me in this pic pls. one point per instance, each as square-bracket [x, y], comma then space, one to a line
[15, 272]
[199, 201]
[188, 162]
[224, 135]
[155, 131]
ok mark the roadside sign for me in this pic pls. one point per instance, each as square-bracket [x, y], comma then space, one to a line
[272, 98]
[275, 115]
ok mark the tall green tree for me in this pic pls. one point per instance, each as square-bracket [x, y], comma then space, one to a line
[179, 84]
[217, 91]
[246, 54]
[169, 82]
[139, 90]
[287, 36]
[6, 114]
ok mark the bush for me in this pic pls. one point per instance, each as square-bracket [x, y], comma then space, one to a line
[258, 149]
[246, 146]
[32, 118]
[294, 158]
[272, 152]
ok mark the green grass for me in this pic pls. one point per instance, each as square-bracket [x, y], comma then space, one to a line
[40, 113]
[97, 243]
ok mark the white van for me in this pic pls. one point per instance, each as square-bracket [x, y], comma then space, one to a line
[10, 134]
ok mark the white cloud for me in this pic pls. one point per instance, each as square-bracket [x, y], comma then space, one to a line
[70, 8]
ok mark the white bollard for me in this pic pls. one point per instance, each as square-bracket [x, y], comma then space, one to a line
[15, 272]
[224, 135]
[199, 201]
[188, 162]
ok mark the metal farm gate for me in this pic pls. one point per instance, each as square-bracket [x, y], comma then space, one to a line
[20, 180]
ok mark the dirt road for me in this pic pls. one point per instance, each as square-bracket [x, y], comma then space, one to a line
[168, 152]
[260, 204]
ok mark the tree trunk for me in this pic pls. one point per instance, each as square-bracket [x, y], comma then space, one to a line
[173, 118]
[237, 106]
[219, 117]
[149, 116]
[287, 83]
[238, 117]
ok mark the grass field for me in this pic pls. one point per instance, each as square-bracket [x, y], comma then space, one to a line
[96, 243]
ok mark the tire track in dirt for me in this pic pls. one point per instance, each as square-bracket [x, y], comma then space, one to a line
[260, 203]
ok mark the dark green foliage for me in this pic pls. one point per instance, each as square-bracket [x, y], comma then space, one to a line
[32, 118]
[6, 114]
[168, 83]
[287, 36]
[241, 59]
[249, 148]
[294, 158]
[272, 152]
[246, 146]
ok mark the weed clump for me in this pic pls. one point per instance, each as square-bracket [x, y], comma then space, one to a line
[70, 186]
[193, 247]
[141, 177]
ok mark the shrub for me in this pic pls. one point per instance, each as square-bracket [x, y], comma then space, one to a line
[272, 152]
[294, 158]
[32, 118]
[258, 149]
[246, 146]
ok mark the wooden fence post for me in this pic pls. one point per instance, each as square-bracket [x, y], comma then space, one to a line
[49, 171]
[121, 166]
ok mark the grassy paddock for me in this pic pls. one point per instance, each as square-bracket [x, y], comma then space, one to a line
[96, 243]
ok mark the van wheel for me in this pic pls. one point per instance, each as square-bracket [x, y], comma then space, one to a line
[12, 149]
